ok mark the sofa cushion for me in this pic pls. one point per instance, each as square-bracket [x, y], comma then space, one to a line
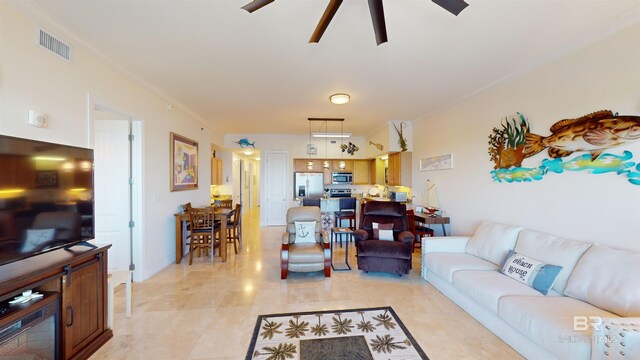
[608, 278]
[549, 322]
[492, 241]
[445, 264]
[552, 250]
[530, 272]
[487, 287]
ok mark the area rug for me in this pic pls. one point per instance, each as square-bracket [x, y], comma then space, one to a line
[355, 334]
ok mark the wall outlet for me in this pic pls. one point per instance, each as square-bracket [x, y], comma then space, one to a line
[38, 119]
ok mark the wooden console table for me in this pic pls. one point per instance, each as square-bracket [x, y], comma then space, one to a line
[433, 220]
[221, 214]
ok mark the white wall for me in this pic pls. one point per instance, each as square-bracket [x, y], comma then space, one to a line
[603, 208]
[31, 78]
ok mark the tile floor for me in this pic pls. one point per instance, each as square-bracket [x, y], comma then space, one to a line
[208, 311]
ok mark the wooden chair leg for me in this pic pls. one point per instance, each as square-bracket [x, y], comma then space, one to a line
[192, 249]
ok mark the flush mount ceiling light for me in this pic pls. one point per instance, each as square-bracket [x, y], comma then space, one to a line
[339, 99]
[248, 152]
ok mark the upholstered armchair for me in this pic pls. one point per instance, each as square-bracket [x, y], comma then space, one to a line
[305, 246]
[392, 255]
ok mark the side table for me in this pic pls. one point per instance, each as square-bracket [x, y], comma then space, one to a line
[341, 231]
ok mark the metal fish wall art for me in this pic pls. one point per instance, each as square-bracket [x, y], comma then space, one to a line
[592, 133]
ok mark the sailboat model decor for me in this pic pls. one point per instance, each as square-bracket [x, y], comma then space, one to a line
[430, 198]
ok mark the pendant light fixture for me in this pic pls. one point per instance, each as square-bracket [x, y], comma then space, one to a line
[325, 163]
[309, 162]
[341, 165]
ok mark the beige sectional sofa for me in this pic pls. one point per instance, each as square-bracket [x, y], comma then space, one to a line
[597, 289]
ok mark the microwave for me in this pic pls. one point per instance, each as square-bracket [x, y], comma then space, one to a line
[341, 178]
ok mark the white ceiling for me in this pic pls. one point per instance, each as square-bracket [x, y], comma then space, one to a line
[257, 73]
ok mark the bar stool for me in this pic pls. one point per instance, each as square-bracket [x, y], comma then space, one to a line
[347, 212]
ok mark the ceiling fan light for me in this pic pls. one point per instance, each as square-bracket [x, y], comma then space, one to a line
[339, 99]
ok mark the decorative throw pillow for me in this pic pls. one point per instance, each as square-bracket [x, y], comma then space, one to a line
[382, 231]
[36, 238]
[492, 241]
[305, 232]
[531, 272]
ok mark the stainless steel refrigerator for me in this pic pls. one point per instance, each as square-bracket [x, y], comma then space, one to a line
[307, 185]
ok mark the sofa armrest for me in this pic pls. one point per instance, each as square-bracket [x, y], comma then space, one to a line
[324, 235]
[360, 234]
[616, 336]
[285, 238]
[442, 244]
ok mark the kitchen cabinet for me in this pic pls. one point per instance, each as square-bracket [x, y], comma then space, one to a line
[300, 165]
[216, 171]
[361, 172]
[335, 165]
[399, 169]
[376, 171]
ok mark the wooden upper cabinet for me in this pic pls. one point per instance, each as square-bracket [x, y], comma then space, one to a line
[216, 171]
[300, 165]
[335, 165]
[361, 172]
[399, 169]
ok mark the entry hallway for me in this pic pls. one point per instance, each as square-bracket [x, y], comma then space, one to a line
[208, 311]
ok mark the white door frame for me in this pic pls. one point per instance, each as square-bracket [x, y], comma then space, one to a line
[137, 163]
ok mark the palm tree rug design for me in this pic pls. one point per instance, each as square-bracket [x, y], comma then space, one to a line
[356, 334]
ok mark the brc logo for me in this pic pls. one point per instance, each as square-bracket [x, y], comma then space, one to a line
[582, 323]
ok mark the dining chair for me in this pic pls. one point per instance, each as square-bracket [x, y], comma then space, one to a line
[186, 230]
[417, 230]
[234, 230]
[203, 231]
[226, 203]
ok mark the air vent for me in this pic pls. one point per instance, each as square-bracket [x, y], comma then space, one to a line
[54, 45]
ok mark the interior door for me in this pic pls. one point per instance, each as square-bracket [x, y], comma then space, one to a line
[277, 182]
[112, 189]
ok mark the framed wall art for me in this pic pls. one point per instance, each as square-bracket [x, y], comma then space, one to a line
[184, 163]
[442, 162]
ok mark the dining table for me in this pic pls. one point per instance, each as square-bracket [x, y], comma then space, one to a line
[182, 219]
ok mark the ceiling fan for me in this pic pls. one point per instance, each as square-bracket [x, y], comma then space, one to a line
[375, 7]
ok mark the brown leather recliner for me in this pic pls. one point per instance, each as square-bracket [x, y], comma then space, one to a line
[305, 257]
[382, 255]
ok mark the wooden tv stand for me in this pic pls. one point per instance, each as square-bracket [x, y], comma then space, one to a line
[79, 276]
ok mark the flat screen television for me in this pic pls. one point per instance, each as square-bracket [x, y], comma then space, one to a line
[46, 197]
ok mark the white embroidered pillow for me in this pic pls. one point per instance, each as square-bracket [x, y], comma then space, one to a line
[305, 232]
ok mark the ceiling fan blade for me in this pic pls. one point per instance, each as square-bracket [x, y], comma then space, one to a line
[329, 12]
[377, 16]
[256, 4]
[452, 6]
